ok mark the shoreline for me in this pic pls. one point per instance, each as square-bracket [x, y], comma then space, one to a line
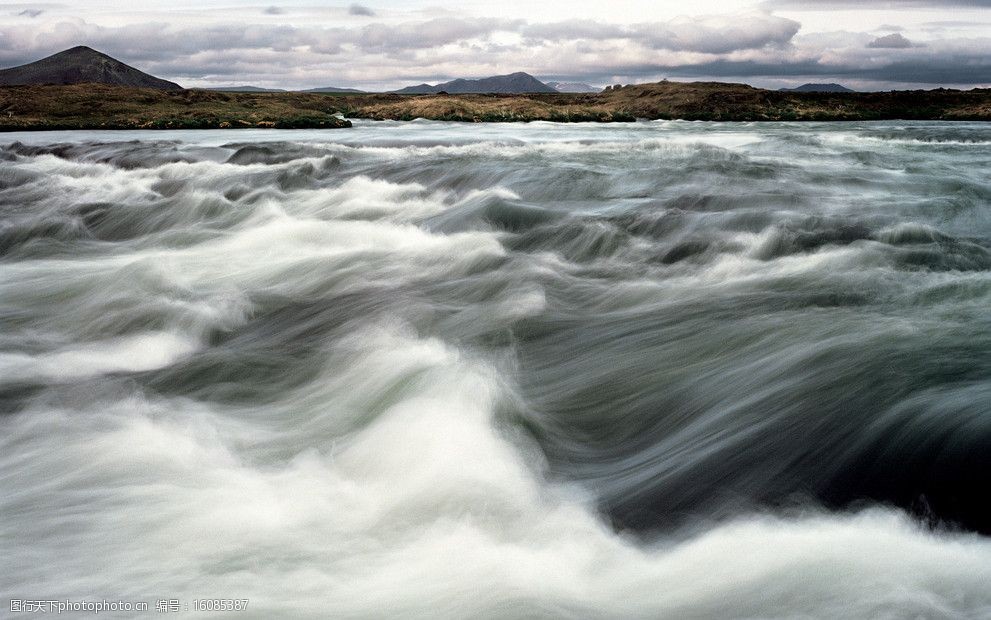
[121, 129]
[103, 107]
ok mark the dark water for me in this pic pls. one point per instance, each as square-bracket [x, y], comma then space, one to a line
[434, 370]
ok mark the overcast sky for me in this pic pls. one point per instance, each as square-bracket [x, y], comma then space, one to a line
[385, 44]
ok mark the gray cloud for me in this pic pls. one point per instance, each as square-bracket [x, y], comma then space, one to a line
[752, 46]
[159, 41]
[430, 33]
[890, 28]
[819, 5]
[955, 23]
[891, 41]
[274, 10]
[709, 35]
[143, 42]
[719, 35]
[31, 12]
[358, 9]
[574, 29]
[949, 69]
[155, 40]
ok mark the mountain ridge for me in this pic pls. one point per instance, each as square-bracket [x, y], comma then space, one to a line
[245, 89]
[573, 87]
[519, 82]
[810, 87]
[332, 89]
[78, 65]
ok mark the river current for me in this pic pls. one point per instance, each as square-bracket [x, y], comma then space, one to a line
[438, 370]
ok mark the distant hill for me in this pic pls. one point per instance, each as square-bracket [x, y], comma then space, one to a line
[81, 65]
[259, 89]
[245, 89]
[573, 87]
[513, 83]
[819, 88]
[332, 89]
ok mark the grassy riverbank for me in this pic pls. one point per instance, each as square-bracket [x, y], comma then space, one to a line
[95, 106]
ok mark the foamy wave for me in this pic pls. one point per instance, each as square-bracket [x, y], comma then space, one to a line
[665, 369]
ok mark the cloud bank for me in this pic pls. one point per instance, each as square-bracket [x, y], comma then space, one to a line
[358, 9]
[891, 41]
[354, 46]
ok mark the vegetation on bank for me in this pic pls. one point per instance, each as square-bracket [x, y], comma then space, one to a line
[476, 108]
[719, 101]
[97, 106]
[101, 106]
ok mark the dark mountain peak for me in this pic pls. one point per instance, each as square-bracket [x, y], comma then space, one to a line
[82, 64]
[80, 49]
[81, 53]
[819, 88]
[519, 82]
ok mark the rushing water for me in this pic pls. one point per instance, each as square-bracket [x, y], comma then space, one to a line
[430, 370]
